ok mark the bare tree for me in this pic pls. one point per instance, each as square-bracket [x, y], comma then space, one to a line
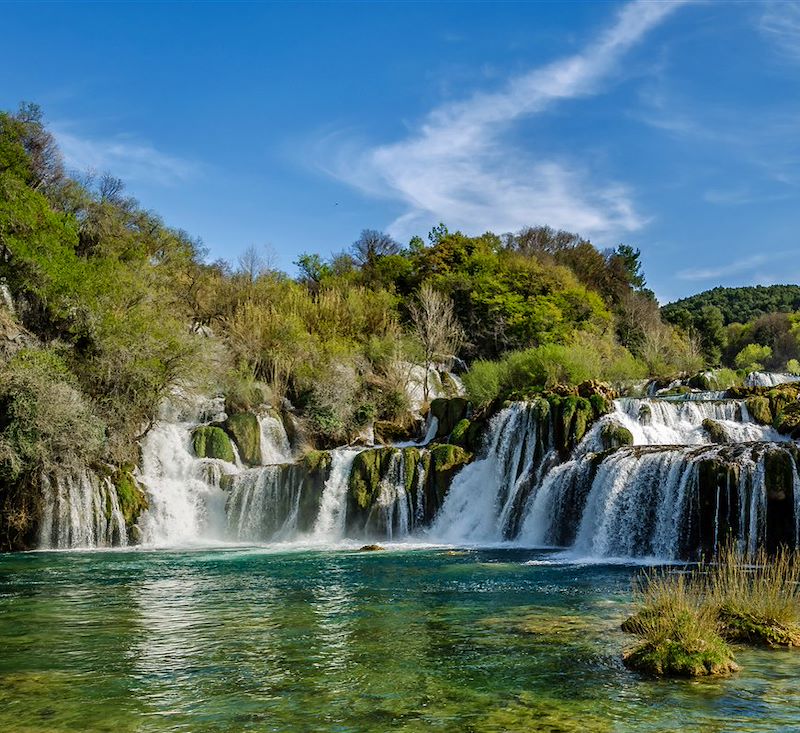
[256, 261]
[373, 244]
[436, 327]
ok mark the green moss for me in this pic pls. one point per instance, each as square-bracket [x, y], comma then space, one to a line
[245, 431]
[747, 628]
[448, 413]
[317, 460]
[365, 475]
[460, 432]
[132, 500]
[759, 410]
[613, 436]
[600, 405]
[210, 441]
[671, 658]
[788, 420]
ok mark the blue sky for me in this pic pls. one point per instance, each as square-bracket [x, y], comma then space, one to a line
[674, 127]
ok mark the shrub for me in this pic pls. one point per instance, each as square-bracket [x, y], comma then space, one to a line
[483, 382]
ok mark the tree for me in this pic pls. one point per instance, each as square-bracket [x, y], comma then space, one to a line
[752, 357]
[436, 327]
[710, 325]
[371, 245]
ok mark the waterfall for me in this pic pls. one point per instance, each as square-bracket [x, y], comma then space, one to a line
[394, 514]
[187, 504]
[668, 502]
[330, 523]
[81, 509]
[275, 446]
[264, 504]
[769, 379]
[666, 422]
[486, 497]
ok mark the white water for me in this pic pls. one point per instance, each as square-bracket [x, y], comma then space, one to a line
[187, 505]
[81, 509]
[769, 379]
[330, 523]
[483, 495]
[275, 446]
[664, 422]
[264, 505]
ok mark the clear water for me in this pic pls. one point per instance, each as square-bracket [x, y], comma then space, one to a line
[236, 639]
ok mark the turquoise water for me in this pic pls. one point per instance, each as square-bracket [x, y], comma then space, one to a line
[423, 640]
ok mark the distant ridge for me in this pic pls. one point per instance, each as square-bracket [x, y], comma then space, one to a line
[738, 305]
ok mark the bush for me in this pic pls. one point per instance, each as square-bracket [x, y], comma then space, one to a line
[483, 382]
[45, 420]
[793, 367]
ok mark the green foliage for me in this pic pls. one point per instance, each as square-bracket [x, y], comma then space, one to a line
[484, 382]
[793, 367]
[752, 357]
[44, 420]
[737, 305]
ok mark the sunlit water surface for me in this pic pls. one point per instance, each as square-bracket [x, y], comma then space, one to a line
[423, 640]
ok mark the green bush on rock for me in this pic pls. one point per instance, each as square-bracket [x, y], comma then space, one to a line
[613, 436]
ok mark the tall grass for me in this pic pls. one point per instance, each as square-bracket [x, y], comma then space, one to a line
[684, 619]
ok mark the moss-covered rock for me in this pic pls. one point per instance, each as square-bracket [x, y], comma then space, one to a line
[645, 415]
[131, 497]
[371, 548]
[369, 467]
[210, 441]
[448, 413]
[245, 431]
[747, 628]
[715, 432]
[671, 658]
[613, 436]
[788, 420]
[460, 433]
[317, 461]
[387, 431]
[759, 409]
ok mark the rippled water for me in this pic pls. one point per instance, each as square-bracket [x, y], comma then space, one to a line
[424, 640]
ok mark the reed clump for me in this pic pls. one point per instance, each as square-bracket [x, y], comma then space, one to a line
[685, 620]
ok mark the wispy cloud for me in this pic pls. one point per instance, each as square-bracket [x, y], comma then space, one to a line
[124, 156]
[460, 165]
[780, 24]
[744, 265]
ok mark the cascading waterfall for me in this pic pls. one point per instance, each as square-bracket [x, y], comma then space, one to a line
[81, 509]
[187, 504]
[330, 522]
[769, 379]
[275, 446]
[666, 422]
[485, 500]
[264, 504]
[665, 501]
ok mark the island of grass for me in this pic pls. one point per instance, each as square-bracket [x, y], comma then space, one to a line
[686, 621]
